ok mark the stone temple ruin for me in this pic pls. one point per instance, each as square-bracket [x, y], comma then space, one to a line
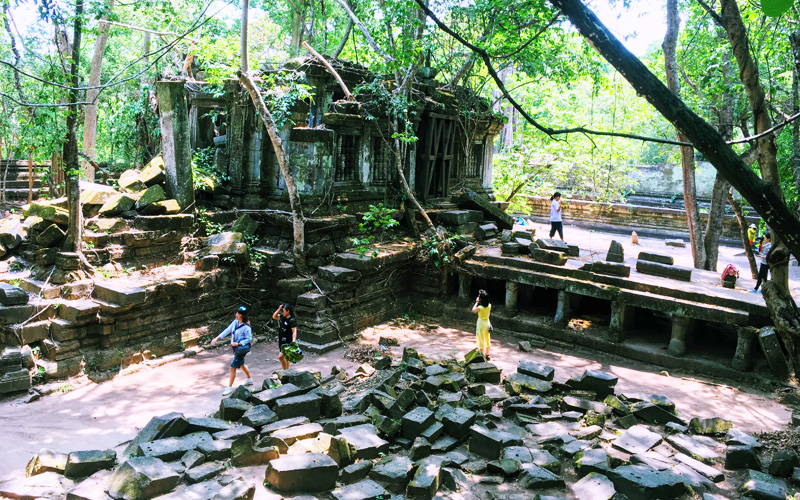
[157, 254]
[420, 429]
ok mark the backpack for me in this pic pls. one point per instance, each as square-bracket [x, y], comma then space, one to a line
[730, 270]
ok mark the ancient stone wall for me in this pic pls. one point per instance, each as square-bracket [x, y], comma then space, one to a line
[623, 216]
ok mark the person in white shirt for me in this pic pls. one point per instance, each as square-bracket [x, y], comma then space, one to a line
[763, 270]
[555, 216]
[241, 341]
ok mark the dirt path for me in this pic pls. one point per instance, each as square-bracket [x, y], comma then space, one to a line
[100, 416]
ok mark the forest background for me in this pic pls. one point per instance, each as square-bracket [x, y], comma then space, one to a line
[542, 61]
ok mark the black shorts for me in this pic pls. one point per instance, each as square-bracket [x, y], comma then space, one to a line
[282, 341]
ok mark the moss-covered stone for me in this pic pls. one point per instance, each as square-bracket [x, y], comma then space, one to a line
[149, 196]
[153, 173]
[50, 236]
[117, 204]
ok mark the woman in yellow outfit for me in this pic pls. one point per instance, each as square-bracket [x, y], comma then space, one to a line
[483, 328]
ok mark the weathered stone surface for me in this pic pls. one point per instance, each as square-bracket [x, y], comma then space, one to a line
[452, 479]
[269, 396]
[226, 245]
[149, 196]
[458, 422]
[425, 483]
[654, 414]
[656, 257]
[203, 472]
[594, 487]
[483, 372]
[11, 295]
[129, 181]
[742, 457]
[153, 173]
[50, 236]
[473, 201]
[86, 463]
[283, 424]
[535, 477]
[213, 490]
[602, 383]
[365, 440]
[693, 448]
[142, 478]
[763, 486]
[208, 425]
[608, 268]
[637, 439]
[572, 403]
[738, 438]
[306, 472]
[164, 426]
[303, 379]
[783, 463]
[163, 207]
[771, 346]
[548, 256]
[616, 252]
[364, 490]
[641, 481]
[664, 271]
[355, 472]
[488, 443]
[232, 409]
[338, 274]
[332, 425]
[46, 461]
[394, 472]
[259, 416]
[117, 204]
[519, 383]
[703, 469]
[307, 405]
[416, 421]
[291, 434]
[91, 488]
[173, 448]
[593, 460]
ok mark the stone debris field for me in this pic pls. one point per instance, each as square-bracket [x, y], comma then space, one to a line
[422, 429]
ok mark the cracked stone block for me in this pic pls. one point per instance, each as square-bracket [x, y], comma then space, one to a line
[164, 426]
[86, 463]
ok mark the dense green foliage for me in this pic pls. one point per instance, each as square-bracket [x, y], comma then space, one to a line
[551, 71]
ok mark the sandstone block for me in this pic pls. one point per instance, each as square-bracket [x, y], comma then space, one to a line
[86, 463]
[142, 478]
[300, 473]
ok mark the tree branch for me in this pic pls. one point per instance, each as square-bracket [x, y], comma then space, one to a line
[364, 30]
[534, 37]
[330, 69]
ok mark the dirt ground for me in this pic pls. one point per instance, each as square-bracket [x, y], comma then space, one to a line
[99, 416]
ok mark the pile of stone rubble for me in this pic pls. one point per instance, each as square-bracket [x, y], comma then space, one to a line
[419, 429]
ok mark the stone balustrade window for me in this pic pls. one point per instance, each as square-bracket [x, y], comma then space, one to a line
[348, 148]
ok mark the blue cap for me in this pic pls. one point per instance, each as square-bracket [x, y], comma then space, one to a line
[242, 309]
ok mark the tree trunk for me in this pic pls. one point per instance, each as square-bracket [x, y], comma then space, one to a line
[343, 42]
[298, 219]
[687, 152]
[704, 137]
[90, 111]
[786, 316]
[731, 20]
[794, 160]
[244, 63]
[737, 209]
[714, 225]
[298, 22]
[72, 241]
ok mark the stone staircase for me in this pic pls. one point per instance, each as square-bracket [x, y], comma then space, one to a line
[17, 182]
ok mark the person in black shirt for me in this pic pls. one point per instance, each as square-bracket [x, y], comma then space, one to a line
[287, 332]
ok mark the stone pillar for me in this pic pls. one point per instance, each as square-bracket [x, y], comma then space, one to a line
[621, 320]
[512, 297]
[563, 309]
[235, 133]
[743, 359]
[681, 326]
[464, 286]
[175, 141]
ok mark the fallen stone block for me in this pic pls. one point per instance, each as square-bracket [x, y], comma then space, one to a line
[518, 383]
[693, 448]
[742, 457]
[355, 472]
[416, 421]
[258, 416]
[86, 463]
[291, 434]
[173, 448]
[308, 472]
[548, 256]
[664, 271]
[654, 414]
[534, 477]
[483, 372]
[763, 486]
[703, 469]
[303, 379]
[46, 461]
[425, 483]
[536, 370]
[608, 268]
[268, 396]
[220, 449]
[332, 425]
[506, 467]
[771, 346]
[594, 486]
[738, 438]
[656, 257]
[458, 422]
[394, 473]
[307, 405]
[364, 490]
[365, 440]
[11, 295]
[91, 488]
[203, 472]
[232, 409]
[142, 478]
[165, 426]
[209, 425]
[452, 479]
[616, 252]
[591, 461]
[637, 439]
[489, 444]
[643, 482]
[783, 463]
[572, 403]
[602, 383]
[282, 424]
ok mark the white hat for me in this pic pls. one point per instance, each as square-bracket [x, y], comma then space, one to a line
[753, 226]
